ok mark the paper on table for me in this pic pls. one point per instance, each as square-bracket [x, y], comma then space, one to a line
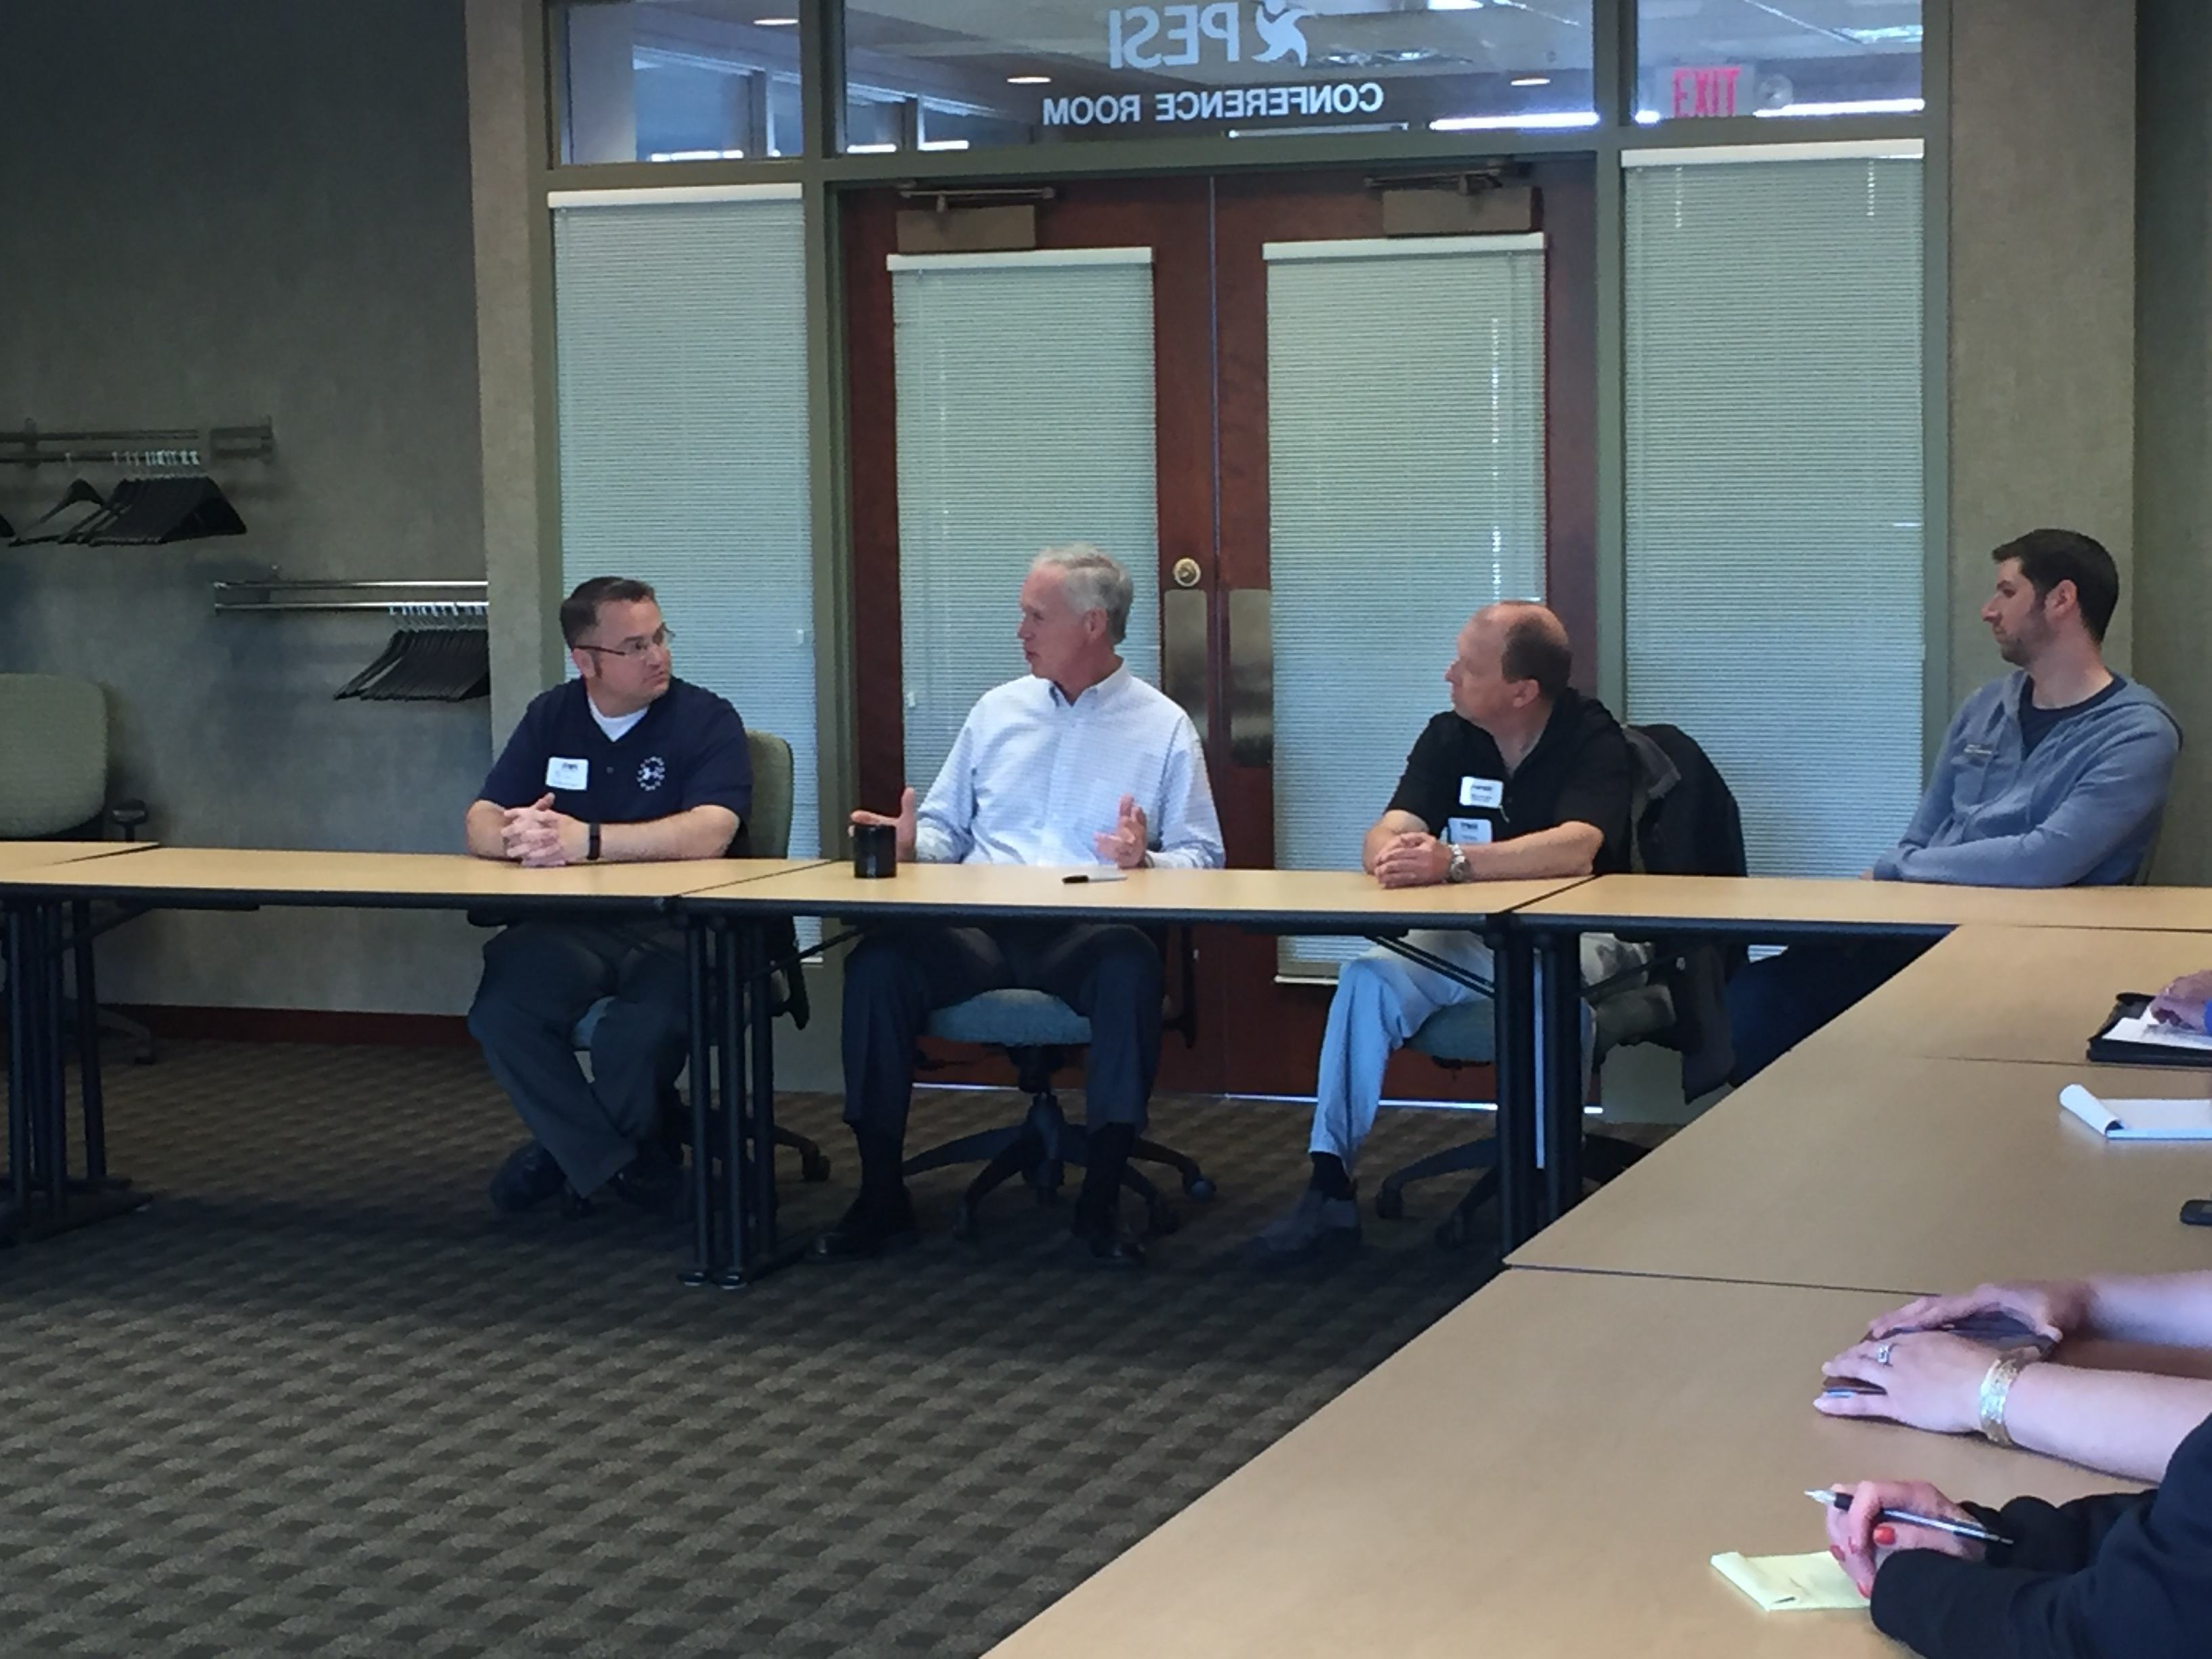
[2139, 1120]
[2141, 1027]
[1791, 1583]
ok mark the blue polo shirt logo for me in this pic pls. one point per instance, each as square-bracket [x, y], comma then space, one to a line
[651, 771]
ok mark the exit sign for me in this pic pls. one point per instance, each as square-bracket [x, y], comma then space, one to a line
[1710, 90]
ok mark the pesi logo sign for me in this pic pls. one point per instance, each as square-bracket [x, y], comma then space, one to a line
[1155, 37]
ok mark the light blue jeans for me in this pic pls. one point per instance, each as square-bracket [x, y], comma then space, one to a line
[1382, 999]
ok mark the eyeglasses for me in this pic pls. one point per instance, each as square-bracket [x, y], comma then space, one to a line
[660, 637]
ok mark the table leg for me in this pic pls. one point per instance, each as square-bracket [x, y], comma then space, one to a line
[91, 1098]
[1513, 1037]
[760, 1011]
[21, 1049]
[51, 1138]
[1559, 1037]
[698, 969]
[735, 1222]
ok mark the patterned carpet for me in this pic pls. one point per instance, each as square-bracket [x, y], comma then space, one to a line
[318, 1400]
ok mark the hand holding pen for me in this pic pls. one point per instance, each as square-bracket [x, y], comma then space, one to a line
[1869, 1523]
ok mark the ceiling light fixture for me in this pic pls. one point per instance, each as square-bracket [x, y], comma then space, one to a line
[870, 149]
[1028, 80]
[1563, 119]
[1532, 80]
[775, 22]
[1851, 106]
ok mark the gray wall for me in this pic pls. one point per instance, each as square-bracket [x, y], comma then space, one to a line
[211, 210]
[2173, 499]
[2042, 311]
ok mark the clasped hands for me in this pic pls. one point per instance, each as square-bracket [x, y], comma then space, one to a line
[1412, 859]
[539, 838]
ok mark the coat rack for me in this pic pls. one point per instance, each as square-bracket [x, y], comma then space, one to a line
[439, 653]
[29, 445]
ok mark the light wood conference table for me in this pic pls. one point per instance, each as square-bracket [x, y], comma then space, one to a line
[1275, 901]
[1986, 993]
[37, 896]
[1898, 1174]
[1544, 1473]
[38, 854]
[1771, 909]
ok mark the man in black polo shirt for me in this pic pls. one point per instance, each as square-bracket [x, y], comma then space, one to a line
[630, 763]
[1523, 776]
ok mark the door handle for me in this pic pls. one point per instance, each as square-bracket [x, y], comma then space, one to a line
[1251, 676]
[1182, 651]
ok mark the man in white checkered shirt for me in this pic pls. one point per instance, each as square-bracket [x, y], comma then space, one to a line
[1079, 763]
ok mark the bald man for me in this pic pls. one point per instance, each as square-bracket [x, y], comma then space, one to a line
[1523, 776]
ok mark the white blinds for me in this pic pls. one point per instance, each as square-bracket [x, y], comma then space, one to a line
[1405, 484]
[1025, 419]
[683, 444]
[1775, 552]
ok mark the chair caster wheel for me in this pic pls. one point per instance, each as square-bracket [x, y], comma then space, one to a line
[1197, 1187]
[1161, 1219]
[1391, 1203]
[1451, 1233]
[816, 1168]
[965, 1225]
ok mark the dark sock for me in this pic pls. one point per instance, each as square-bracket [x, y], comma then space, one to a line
[883, 1162]
[1329, 1177]
[1106, 1155]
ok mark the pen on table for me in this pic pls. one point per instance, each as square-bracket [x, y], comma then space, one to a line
[1842, 1500]
[1081, 875]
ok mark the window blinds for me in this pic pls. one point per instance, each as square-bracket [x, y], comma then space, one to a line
[1025, 420]
[683, 444]
[1775, 552]
[1406, 485]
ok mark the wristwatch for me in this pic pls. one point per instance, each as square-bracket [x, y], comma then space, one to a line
[1456, 870]
[592, 844]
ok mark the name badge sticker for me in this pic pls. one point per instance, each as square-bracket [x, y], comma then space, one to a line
[1467, 832]
[561, 773]
[1481, 791]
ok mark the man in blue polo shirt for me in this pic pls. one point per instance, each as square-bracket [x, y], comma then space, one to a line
[625, 763]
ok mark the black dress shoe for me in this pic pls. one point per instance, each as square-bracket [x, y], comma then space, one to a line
[527, 1179]
[1104, 1245]
[870, 1228]
[653, 1181]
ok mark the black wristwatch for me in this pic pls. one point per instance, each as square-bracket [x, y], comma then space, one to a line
[592, 846]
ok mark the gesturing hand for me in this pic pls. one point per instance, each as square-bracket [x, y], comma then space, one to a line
[1129, 839]
[904, 824]
[1863, 1543]
[1414, 859]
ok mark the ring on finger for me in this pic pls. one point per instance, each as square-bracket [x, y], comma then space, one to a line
[1881, 1354]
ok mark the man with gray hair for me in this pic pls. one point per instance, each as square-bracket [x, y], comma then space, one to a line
[1080, 763]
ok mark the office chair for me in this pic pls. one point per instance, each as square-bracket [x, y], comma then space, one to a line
[1037, 1031]
[54, 756]
[769, 836]
[1683, 821]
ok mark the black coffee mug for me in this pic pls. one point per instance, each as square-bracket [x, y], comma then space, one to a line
[875, 850]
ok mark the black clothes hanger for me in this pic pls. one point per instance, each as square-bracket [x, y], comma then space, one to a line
[79, 505]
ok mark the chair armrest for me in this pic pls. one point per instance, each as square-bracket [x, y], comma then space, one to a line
[127, 816]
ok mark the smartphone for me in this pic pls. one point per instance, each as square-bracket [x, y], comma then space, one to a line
[2197, 1212]
[1849, 1385]
[2000, 1330]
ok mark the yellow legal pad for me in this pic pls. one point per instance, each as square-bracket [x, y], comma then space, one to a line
[1791, 1583]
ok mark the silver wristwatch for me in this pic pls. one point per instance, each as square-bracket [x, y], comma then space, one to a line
[1456, 870]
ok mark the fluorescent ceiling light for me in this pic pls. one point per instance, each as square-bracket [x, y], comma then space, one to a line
[1455, 5]
[870, 149]
[698, 156]
[1647, 118]
[1532, 80]
[775, 22]
[1028, 80]
[1850, 106]
[943, 144]
[1577, 118]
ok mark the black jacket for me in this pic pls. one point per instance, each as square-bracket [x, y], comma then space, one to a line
[2121, 1577]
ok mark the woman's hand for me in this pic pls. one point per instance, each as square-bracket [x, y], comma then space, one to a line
[2182, 1003]
[1930, 1380]
[1863, 1543]
[2057, 1307]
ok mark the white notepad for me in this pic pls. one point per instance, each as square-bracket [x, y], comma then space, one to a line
[2139, 1120]
[2141, 1027]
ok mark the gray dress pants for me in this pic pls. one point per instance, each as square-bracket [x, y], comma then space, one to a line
[540, 978]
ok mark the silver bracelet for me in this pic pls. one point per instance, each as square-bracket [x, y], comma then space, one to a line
[1997, 1389]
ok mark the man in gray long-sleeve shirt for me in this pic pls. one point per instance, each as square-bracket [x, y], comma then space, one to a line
[2053, 776]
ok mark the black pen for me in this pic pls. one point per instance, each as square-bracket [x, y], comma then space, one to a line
[1084, 875]
[1842, 1500]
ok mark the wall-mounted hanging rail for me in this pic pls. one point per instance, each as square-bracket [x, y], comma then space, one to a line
[32, 445]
